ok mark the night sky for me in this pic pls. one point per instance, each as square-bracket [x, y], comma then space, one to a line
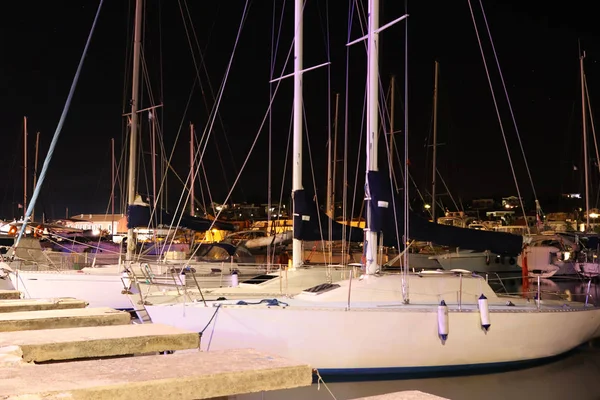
[537, 46]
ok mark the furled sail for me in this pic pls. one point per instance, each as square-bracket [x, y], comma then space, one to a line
[141, 216]
[388, 218]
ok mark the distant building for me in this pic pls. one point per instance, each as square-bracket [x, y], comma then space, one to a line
[98, 222]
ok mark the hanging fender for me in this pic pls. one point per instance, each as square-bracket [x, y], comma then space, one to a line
[443, 326]
[12, 231]
[484, 313]
[487, 259]
[512, 261]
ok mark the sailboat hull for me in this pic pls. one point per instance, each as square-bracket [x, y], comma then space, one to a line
[99, 290]
[339, 341]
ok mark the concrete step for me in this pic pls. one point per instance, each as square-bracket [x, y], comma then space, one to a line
[40, 304]
[186, 375]
[56, 319]
[98, 341]
[9, 294]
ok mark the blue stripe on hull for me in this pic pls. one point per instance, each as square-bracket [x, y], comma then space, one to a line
[393, 373]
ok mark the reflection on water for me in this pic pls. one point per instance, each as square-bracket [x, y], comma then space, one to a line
[568, 288]
[574, 376]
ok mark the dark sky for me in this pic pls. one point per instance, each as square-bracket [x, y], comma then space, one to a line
[537, 46]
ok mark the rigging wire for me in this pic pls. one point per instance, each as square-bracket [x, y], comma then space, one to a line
[211, 90]
[275, 38]
[590, 113]
[61, 122]
[270, 258]
[208, 129]
[363, 114]
[329, 139]
[507, 98]
[312, 170]
[487, 73]
[384, 114]
[351, 6]
[199, 79]
[218, 103]
[405, 294]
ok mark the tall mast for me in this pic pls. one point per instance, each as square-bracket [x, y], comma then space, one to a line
[329, 178]
[585, 152]
[153, 151]
[35, 165]
[335, 135]
[297, 255]
[332, 162]
[192, 174]
[392, 108]
[372, 126]
[24, 167]
[435, 110]
[112, 185]
[137, 43]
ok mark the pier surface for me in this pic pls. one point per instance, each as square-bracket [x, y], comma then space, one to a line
[14, 305]
[185, 375]
[56, 319]
[98, 341]
[9, 294]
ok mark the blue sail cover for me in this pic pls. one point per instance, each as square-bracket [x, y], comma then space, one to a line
[379, 201]
[391, 220]
[140, 216]
[501, 243]
[310, 223]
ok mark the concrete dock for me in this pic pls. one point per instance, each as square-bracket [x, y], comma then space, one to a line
[56, 319]
[98, 341]
[14, 305]
[405, 395]
[186, 375]
[10, 294]
[84, 355]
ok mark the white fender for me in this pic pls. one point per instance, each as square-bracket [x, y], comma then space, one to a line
[484, 312]
[443, 326]
[234, 279]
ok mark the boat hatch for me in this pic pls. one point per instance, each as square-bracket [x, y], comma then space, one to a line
[322, 288]
[258, 279]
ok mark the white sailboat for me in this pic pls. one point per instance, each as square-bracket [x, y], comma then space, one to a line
[372, 325]
[587, 262]
[279, 280]
[36, 276]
